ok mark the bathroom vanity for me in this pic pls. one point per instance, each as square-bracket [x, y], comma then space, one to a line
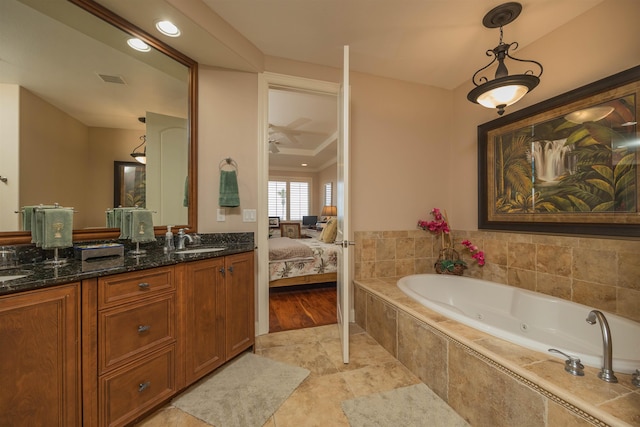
[103, 348]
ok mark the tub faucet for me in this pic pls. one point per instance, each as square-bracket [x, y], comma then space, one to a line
[181, 236]
[606, 373]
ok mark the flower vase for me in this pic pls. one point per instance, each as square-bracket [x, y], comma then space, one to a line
[449, 262]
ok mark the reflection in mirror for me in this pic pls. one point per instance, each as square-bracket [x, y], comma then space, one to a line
[72, 93]
[129, 185]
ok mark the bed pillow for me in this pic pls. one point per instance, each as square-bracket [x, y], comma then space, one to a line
[329, 231]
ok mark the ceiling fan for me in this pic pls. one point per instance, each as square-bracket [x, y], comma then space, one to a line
[288, 133]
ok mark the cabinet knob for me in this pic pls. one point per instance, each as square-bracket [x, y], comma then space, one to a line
[143, 328]
[221, 270]
[231, 269]
[143, 286]
[143, 386]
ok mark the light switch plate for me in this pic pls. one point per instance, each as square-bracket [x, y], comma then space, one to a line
[248, 215]
[221, 215]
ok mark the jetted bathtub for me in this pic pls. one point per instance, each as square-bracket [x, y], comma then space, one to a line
[533, 320]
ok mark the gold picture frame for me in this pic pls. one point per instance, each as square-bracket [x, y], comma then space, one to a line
[565, 165]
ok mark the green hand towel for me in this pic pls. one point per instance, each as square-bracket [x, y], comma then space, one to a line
[142, 226]
[111, 218]
[125, 223]
[27, 215]
[57, 228]
[229, 196]
[185, 200]
[37, 225]
[117, 217]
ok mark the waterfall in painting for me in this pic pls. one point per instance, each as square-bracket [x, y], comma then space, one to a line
[550, 160]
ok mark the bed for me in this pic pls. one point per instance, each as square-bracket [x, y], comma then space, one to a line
[301, 261]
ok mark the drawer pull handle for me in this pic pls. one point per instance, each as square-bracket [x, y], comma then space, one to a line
[143, 286]
[143, 386]
[143, 328]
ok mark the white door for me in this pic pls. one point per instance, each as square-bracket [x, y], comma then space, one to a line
[342, 194]
[166, 170]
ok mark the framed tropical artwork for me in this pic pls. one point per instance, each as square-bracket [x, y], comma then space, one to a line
[565, 165]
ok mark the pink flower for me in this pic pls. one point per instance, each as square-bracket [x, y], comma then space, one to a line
[475, 253]
[439, 225]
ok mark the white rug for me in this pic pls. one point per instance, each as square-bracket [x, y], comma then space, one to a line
[245, 393]
[413, 406]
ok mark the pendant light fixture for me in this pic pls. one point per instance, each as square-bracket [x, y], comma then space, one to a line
[504, 89]
[141, 156]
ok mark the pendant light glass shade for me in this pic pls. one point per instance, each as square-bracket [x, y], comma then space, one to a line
[140, 156]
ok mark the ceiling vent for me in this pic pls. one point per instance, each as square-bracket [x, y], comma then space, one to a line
[112, 79]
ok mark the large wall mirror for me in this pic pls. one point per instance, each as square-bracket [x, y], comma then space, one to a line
[75, 99]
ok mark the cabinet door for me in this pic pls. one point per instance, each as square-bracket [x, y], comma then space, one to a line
[203, 289]
[40, 375]
[240, 304]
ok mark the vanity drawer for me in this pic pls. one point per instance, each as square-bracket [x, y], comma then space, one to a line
[127, 287]
[128, 392]
[134, 328]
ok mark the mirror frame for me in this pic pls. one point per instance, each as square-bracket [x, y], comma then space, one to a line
[19, 237]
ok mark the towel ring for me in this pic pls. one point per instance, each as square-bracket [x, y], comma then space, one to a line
[229, 162]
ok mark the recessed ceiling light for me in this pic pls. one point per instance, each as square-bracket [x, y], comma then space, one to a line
[138, 44]
[168, 28]
[304, 164]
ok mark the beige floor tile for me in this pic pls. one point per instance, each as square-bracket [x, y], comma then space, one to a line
[311, 356]
[379, 378]
[277, 339]
[316, 402]
[172, 417]
[363, 351]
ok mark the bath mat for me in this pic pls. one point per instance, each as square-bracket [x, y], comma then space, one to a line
[244, 393]
[415, 405]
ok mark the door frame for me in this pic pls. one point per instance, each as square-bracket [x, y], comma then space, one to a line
[267, 81]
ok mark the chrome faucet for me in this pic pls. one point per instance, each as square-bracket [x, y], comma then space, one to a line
[181, 237]
[606, 373]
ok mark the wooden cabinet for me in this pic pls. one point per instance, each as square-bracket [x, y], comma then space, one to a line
[218, 312]
[107, 351]
[202, 289]
[40, 370]
[239, 304]
[136, 343]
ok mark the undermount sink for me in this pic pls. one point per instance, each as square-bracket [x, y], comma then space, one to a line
[200, 250]
[13, 275]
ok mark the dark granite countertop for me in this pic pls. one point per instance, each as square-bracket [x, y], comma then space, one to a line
[40, 274]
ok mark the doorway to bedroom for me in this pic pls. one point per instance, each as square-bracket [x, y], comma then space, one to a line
[302, 170]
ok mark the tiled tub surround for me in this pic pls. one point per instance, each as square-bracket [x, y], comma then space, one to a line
[488, 381]
[598, 272]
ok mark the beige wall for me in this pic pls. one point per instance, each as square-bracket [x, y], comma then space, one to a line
[228, 127]
[53, 156]
[413, 147]
[106, 145]
[327, 175]
[601, 42]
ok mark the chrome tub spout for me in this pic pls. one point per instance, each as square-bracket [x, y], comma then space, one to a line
[606, 373]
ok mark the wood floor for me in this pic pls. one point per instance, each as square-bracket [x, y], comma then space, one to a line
[297, 307]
